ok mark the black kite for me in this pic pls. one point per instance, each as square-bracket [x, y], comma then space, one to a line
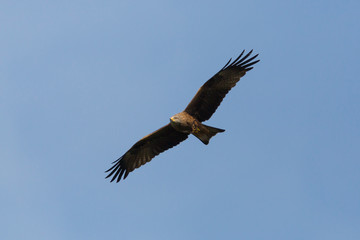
[200, 109]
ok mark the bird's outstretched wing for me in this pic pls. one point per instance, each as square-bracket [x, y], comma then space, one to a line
[144, 150]
[210, 95]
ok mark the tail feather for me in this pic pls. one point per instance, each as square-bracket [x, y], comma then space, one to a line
[207, 132]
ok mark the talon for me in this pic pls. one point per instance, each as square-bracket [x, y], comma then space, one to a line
[195, 128]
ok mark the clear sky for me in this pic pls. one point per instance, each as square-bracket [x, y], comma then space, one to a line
[82, 81]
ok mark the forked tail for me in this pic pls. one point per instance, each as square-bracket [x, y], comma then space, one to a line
[204, 133]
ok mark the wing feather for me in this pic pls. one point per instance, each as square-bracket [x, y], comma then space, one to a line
[144, 150]
[211, 94]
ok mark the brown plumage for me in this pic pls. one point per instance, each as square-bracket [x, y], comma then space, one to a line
[201, 108]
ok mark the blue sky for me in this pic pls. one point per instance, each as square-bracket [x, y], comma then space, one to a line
[82, 81]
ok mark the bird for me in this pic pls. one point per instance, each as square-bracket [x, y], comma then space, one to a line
[181, 125]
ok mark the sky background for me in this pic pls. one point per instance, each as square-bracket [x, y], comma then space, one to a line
[82, 81]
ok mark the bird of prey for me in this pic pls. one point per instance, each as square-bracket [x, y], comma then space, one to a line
[189, 121]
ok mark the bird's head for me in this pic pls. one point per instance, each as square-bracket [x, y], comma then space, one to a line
[175, 119]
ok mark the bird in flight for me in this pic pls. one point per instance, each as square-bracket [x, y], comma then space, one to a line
[189, 121]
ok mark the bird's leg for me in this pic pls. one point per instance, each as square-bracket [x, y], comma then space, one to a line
[195, 128]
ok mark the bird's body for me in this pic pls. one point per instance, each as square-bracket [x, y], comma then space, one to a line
[185, 123]
[189, 121]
